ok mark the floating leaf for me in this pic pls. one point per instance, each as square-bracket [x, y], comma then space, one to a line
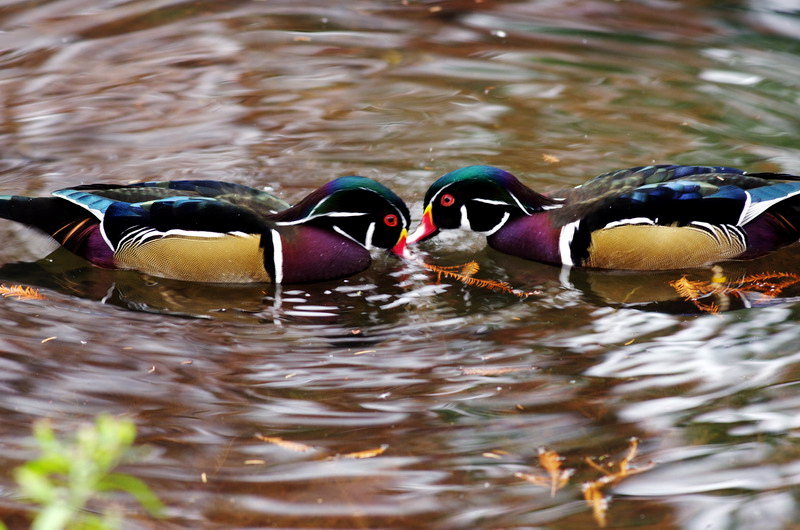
[369, 453]
[286, 444]
[20, 292]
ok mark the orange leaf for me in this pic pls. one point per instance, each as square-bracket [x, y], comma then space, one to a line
[21, 293]
[286, 444]
[369, 453]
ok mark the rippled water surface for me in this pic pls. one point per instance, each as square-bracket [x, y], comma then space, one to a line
[461, 386]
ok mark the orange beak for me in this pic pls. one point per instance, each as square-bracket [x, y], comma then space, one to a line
[425, 229]
[400, 248]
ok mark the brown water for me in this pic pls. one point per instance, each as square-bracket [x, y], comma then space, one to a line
[461, 385]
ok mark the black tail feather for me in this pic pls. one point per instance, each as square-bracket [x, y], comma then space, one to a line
[62, 220]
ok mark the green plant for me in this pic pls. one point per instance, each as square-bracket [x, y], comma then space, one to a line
[68, 475]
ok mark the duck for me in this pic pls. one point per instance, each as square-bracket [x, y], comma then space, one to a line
[220, 232]
[657, 217]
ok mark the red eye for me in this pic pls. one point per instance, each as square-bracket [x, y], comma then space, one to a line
[447, 200]
[390, 220]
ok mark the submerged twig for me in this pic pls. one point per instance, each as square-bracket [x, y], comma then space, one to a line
[20, 292]
[466, 276]
[768, 285]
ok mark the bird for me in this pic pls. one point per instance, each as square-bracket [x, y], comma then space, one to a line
[657, 217]
[220, 232]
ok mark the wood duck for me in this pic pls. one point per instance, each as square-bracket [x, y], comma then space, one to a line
[644, 218]
[210, 231]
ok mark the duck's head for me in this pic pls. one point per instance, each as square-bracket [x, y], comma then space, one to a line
[477, 198]
[358, 208]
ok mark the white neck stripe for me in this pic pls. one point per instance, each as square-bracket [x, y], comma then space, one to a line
[499, 225]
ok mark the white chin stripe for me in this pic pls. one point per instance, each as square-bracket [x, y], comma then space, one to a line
[368, 236]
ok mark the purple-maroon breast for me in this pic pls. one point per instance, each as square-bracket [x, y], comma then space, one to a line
[531, 237]
[313, 254]
[94, 248]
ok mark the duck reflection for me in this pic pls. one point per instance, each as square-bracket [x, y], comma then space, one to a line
[726, 287]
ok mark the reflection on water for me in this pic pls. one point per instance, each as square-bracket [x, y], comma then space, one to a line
[462, 385]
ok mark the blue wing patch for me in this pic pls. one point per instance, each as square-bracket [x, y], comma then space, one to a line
[94, 203]
[774, 192]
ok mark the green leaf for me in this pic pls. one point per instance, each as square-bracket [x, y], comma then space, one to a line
[35, 486]
[53, 517]
[69, 474]
[136, 488]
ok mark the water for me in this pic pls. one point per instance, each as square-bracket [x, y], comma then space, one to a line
[461, 385]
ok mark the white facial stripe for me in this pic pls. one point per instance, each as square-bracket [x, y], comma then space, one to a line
[564, 240]
[465, 218]
[368, 236]
[316, 206]
[489, 201]
[341, 214]
[344, 214]
[277, 256]
[331, 214]
[521, 207]
[433, 199]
